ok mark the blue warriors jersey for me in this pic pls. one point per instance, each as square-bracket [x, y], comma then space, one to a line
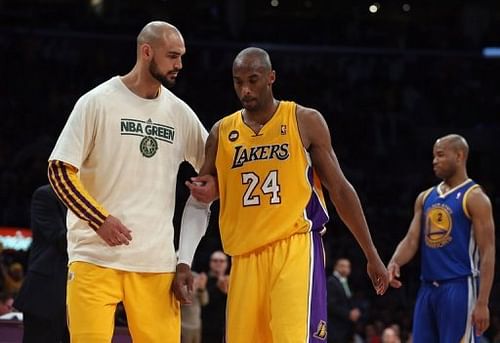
[268, 188]
[448, 247]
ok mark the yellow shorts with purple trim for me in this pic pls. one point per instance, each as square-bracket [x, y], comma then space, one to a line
[278, 294]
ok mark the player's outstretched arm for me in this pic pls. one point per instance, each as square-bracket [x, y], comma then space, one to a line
[408, 246]
[316, 139]
[479, 208]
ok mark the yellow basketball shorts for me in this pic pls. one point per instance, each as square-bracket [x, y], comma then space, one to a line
[153, 313]
[278, 294]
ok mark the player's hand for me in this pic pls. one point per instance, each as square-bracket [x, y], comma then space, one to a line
[204, 188]
[394, 272]
[378, 274]
[223, 283]
[113, 232]
[202, 280]
[480, 318]
[182, 286]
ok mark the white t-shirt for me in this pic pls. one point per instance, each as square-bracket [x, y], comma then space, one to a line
[128, 150]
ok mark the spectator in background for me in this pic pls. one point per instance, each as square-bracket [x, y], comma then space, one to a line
[14, 278]
[42, 297]
[390, 335]
[372, 333]
[6, 301]
[191, 323]
[341, 314]
[11, 276]
[214, 313]
[2, 268]
[7, 311]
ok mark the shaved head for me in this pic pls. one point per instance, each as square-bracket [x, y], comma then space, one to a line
[160, 48]
[450, 157]
[253, 78]
[455, 142]
[253, 58]
[155, 32]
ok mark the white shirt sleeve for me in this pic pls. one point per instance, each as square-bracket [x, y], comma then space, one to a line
[77, 137]
[195, 144]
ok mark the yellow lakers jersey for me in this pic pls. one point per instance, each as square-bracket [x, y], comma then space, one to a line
[267, 186]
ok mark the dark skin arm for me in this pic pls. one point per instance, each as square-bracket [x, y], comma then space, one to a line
[479, 207]
[205, 189]
[316, 139]
[408, 246]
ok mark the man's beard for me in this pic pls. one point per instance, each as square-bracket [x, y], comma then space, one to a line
[153, 69]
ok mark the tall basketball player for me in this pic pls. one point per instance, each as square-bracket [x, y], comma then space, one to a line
[453, 225]
[115, 166]
[270, 159]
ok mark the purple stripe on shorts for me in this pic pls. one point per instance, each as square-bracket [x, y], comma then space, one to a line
[317, 307]
[314, 209]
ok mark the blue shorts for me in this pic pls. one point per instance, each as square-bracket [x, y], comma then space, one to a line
[443, 311]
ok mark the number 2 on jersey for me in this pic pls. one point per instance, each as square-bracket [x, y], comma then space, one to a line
[269, 186]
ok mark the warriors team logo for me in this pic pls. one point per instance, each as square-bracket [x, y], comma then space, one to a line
[150, 132]
[320, 331]
[438, 226]
[148, 146]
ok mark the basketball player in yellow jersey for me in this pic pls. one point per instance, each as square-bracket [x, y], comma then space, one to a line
[269, 160]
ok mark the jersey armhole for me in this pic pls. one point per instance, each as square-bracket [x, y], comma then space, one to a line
[426, 194]
[464, 200]
[299, 134]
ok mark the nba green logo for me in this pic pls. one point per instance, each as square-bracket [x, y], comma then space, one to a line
[148, 146]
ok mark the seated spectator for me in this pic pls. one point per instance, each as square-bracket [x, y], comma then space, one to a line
[7, 312]
[191, 323]
[14, 278]
[390, 335]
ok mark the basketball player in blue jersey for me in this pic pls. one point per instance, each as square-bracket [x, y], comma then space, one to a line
[269, 160]
[453, 225]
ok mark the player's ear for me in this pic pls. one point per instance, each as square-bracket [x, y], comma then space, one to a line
[461, 155]
[272, 77]
[146, 52]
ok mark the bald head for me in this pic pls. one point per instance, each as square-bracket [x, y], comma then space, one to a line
[456, 143]
[253, 58]
[155, 32]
